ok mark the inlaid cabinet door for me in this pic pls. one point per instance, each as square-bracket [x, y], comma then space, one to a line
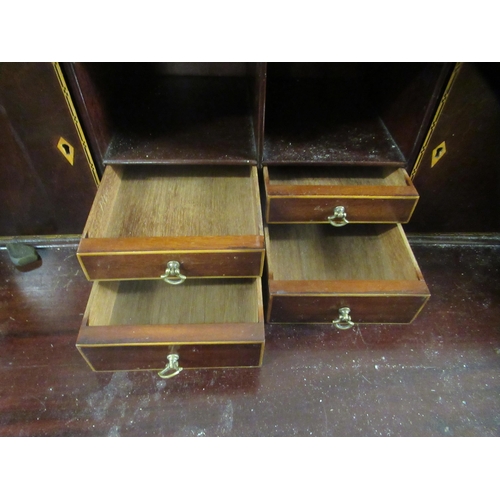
[47, 176]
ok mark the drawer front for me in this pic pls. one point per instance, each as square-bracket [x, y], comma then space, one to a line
[325, 309]
[357, 210]
[311, 194]
[144, 265]
[130, 355]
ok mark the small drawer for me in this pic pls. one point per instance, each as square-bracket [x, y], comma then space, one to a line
[135, 325]
[205, 219]
[355, 274]
[338, 195]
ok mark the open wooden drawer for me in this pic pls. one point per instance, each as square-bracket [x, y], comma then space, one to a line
[338, 195]
[206, 219]
[135, 325]
[354, 274]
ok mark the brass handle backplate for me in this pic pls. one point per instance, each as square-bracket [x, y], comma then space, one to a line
[172, 368]
[173, 274]
[344, 320]
[339, 217]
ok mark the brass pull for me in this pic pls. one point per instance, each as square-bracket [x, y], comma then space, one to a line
[339, 217]
[172, 368]
[344, 322]
[173, 274]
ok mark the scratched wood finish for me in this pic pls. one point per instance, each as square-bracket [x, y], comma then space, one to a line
[301, 195]
[169, 113]
[134, 325]
[188, 214]
[314, 270]
[435, 377]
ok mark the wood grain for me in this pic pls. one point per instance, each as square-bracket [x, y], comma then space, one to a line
[155, 302]
[316, 252]
[187, 201]
[333, 176]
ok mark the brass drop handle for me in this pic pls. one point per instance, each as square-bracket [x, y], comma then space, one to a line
[172, 368]
[339, 217]
[173, 274]
[344, 321]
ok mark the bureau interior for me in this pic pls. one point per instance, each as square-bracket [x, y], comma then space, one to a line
[150, 302]
[356, 113]
[161, 201]
[168, 112]
[360, 252]
[336, 176]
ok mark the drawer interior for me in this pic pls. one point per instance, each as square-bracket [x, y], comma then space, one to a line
[145, 302]
[318, 252]
[336, 176]
[158, 201]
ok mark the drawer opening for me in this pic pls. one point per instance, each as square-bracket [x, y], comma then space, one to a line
[170, 112]
[157, 303]
[353, 253]
[351, 113]
[179, 201]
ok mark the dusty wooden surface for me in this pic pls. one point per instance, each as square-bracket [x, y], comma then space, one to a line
[439, 376]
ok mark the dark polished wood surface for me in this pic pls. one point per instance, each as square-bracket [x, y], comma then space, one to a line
[439, 376]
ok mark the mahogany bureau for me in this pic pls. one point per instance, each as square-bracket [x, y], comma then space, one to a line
[177, 241]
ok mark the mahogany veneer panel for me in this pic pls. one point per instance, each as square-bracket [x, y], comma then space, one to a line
[460, 188]
[134, 325]
[42, 193]
[368, 194]
[314, 270]
[206, 218]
